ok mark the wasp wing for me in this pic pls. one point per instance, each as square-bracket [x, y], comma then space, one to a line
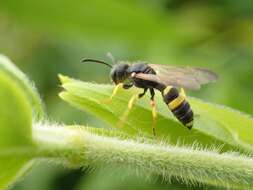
[192, 84]
[186, 77]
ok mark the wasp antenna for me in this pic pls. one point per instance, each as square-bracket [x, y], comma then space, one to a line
[96, 61]
[110, 56]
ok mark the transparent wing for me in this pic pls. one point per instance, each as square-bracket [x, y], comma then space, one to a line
[186, 77]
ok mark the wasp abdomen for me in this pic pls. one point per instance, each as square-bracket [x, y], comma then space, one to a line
[178, 105]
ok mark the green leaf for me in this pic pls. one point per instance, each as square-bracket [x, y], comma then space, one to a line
[28, 87]
[215, 126]
[15, 128]
[19, 106]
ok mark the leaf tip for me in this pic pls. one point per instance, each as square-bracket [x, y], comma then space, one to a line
[62, 95]
[63, 79]
[3, 58]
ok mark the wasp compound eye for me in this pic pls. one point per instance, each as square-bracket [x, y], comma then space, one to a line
[113, 75]
[119, 73]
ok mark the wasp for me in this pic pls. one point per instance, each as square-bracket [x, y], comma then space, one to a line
[169, 80]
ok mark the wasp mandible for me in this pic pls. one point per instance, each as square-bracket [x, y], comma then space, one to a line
[169, 80]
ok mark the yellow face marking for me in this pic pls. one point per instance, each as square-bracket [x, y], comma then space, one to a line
[176, 102]
[167, 89]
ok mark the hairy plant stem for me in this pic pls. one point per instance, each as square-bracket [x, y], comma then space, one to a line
[80, 147]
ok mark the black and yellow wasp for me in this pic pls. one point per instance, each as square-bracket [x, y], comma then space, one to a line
[169, 80]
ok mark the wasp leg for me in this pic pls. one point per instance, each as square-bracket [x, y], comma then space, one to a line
[123, 118]
[131, 102]
[142, 94]
[115, 90]
[154, 111]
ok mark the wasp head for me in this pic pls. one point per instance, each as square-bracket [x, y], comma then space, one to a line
[119, 73]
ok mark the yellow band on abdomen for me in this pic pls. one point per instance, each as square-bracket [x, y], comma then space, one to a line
[176, 102]
[167, 89]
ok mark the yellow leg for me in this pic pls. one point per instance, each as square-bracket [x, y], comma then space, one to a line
[123, 118]
[115, 90]
[154, 116]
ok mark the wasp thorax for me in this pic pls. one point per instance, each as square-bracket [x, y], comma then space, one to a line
[119, 73]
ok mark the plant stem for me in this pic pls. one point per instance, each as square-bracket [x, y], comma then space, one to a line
[80, 147]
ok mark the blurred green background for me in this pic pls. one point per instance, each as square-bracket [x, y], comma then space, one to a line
[46, 37]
